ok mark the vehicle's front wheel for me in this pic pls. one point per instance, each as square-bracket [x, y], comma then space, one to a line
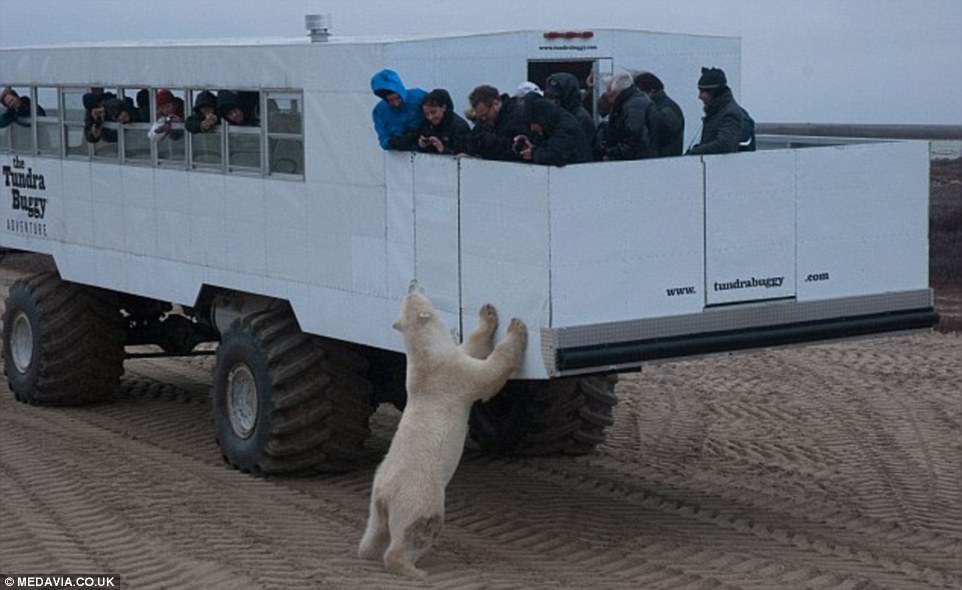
[288, 402]
[63, 343]
[562, 416]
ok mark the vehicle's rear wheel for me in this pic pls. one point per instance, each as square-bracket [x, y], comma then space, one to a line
[562, 416]
[63, 343]
[288, 402]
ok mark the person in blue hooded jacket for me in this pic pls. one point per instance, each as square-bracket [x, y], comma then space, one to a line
[398, 115]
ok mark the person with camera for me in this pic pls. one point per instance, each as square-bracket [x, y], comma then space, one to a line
[170, 110]
[555, 138]
[204, 118]
[95, 114]
[443, 130]
[499, 119]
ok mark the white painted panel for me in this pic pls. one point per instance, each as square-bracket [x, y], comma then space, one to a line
[436, 229]
[862, 219]
[505, 247]
[140, 226]
[173, 236]
[172, 190]
[626, 240]
[208, 239]
[164, 279]
[749, 226]
[340, 145]
[399, 202]
[288, 205]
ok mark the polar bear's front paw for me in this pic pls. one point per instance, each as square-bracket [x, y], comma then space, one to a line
[518, 328]
[488, 315]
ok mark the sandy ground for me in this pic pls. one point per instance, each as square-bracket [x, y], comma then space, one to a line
[831, 466]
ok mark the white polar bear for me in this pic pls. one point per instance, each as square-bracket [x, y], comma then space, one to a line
[443, 381]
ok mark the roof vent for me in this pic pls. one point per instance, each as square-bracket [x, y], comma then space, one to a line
[318, 26]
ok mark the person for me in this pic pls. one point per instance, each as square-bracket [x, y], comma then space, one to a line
[170, 109]
[556, 137]
[499, 119]
[628, 135]
[722, 123]
[564, 89]
[15, 108]
[668, 120]
[525, 88]
[443, 131]
[397, 116]
[232, 109]
[116, 110]
[95, 113]
[204, 118]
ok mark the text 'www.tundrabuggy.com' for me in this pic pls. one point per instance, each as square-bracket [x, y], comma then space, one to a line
[60, 581]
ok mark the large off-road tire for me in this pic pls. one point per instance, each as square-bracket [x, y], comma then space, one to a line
[286, 402]
[563, 416]
[63, 343]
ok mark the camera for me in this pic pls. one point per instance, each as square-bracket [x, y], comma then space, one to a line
[519, 145]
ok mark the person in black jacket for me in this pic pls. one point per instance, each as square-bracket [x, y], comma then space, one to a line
[443, 131]
[564, 89]
[629, 135]
[95, 114]
[668, 120]
[556, 137]
[204, 118]
[722, 123]
[237, 108]
[498, 121]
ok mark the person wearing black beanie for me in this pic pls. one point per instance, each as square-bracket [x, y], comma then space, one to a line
[722, 123]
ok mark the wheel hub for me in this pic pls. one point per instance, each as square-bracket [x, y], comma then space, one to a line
[242, 400]
[21, 342]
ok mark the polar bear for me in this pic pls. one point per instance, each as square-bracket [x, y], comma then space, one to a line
[443, 381]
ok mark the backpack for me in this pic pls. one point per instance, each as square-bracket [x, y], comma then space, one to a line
[746, 138]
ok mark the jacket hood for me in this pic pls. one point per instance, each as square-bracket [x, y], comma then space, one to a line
[388, 81]
[564, 88]
[542, 111]
[93, 99]
[204, 99]
[227, 100]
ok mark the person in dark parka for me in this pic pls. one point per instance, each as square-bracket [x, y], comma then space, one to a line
[668, 120]
[499, 119]
[722, 123]
[556, 138]
[564, 89]
[628, 134]
[443, 130]
[233, 108]
[205, 117]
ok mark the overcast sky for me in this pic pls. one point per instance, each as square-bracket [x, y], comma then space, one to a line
[836, 61]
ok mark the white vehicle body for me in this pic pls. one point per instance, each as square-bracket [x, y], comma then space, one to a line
[610, 264]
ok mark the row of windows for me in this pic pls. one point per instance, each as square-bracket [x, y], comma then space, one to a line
[54, 126]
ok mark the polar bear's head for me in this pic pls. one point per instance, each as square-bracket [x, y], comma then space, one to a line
[425, 334]
[416, 310]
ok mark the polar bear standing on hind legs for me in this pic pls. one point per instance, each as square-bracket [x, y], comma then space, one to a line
[443, 381]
